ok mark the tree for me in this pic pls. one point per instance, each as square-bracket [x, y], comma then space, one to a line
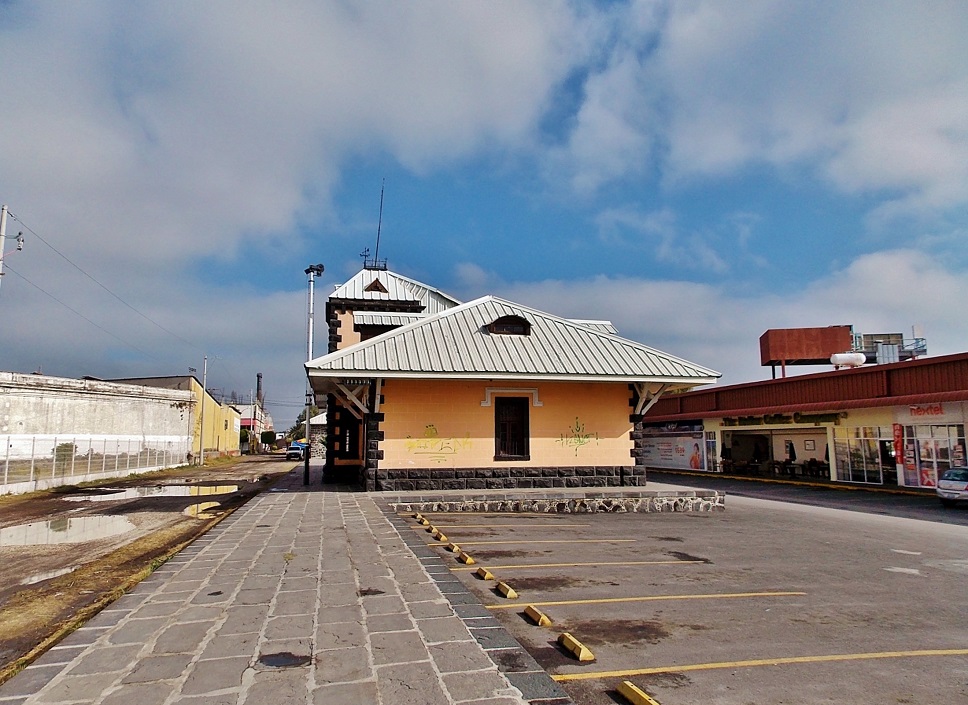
[298, 429]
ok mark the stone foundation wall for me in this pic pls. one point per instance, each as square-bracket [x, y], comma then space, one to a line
[430, 479]
[619, 502]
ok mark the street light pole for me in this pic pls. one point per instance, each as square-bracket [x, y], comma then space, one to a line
[312, 272]
[201, 433]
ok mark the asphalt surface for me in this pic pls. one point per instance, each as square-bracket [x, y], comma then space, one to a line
[897, 502]
[767, 602]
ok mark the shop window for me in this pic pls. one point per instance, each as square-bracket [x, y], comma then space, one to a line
[511, 428]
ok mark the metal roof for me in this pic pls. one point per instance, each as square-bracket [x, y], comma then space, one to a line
[380, 318]
[455, 344]
[393, 318]
[393, 287]
[603, 326]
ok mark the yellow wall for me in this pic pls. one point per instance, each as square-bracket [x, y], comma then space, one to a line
[441, 424]
[348, 336]
[221, 433]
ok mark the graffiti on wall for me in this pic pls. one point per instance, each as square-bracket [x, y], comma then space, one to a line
[576, 436]
[435, 448]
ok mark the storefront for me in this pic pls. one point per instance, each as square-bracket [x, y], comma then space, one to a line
[845, 426]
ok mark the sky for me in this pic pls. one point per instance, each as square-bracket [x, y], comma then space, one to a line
[697, 172]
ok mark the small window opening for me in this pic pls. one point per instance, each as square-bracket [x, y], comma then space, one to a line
[376, 285]
[510, 325]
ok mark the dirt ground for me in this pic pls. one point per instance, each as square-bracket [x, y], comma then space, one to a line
[67, 553]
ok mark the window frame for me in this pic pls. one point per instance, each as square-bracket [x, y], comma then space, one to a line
[521, 407]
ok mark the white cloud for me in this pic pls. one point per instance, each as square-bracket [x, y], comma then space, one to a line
[870, 97]
[684, 250]
[888, 292]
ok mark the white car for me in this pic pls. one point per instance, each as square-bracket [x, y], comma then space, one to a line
[953, 486]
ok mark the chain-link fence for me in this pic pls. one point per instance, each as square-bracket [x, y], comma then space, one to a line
[29, 463]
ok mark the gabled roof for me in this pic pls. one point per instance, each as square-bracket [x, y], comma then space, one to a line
[455, 344]
[384, 285]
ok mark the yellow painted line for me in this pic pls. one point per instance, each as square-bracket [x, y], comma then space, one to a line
[829, 658]
[502, 543]
[537, 566]
[654, 598]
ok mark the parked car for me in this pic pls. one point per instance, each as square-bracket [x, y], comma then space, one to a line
[953, 486]
[295, 451]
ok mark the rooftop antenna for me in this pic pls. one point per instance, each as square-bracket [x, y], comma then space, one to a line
[376, 263]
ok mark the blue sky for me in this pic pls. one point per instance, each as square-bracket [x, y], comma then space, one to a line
[696, 172]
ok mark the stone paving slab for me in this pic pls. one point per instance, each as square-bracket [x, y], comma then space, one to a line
[304, 595]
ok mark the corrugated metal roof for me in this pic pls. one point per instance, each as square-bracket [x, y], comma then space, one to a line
[380, 318]
[602, 326]
[384, 285]
[456, 344]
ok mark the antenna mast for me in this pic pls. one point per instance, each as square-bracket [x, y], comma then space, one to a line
[379, 223]
[376, 263]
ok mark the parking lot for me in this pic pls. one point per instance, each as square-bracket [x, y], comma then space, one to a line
[766, 602]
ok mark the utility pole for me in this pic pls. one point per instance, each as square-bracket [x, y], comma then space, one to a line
[312, 271]
[3, 236]
[201, 433]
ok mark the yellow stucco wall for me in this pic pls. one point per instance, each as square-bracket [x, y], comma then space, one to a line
[221, 432]
[441, 424]
[348, 336]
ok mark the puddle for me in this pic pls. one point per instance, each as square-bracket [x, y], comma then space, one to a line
[109, 495]
[41, 577]
[64, 530]
[200, 511]
[284, 659]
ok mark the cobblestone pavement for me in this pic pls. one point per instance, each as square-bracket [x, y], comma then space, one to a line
[303, 595]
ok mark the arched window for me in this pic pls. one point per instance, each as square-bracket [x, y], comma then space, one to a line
[510, 325]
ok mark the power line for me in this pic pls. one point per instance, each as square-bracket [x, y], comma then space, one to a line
[78, 313]
[95, 280]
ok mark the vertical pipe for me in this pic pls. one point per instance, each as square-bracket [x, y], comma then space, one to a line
[6, 465]
[33, 454]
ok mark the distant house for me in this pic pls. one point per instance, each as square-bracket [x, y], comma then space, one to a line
[425, 392]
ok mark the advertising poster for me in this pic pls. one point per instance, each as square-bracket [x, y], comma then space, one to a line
[910, 464]
[675, 447]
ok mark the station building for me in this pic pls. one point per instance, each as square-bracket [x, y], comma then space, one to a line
[423, 392]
